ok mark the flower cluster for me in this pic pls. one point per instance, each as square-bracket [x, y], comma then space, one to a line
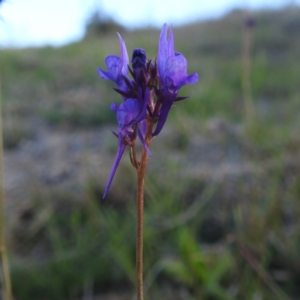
[148, 94]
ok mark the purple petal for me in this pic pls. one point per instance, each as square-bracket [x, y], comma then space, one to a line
[143, 141]
[143, 126]
[113, 64]
[115, 166]
[165, 49]
[164, 111]
[143, 104]
[127, 112]
[114, 106]
[171, 50]
[103, 74]
[124, 56]
[176, 72]
[191, 79]
[162, 50]
[175, 68]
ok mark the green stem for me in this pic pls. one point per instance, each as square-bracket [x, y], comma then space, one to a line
[4, 260]
[246, 82]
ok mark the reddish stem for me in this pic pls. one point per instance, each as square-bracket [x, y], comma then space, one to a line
[140, 210]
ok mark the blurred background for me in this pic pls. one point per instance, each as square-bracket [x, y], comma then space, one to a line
[223, 186]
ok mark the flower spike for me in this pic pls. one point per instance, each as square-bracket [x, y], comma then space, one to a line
[149, 89]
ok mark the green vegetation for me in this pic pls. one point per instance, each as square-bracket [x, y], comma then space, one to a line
[222, 198]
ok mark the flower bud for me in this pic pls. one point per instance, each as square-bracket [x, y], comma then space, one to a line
[138, 59]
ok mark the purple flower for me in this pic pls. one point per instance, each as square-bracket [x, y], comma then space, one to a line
[172, 69]
[129, 114]
[117, 67]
